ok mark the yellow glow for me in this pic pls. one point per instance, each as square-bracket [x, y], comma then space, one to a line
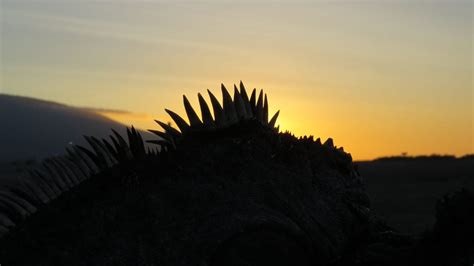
[379, 77]
[361, 131]
[139, 121]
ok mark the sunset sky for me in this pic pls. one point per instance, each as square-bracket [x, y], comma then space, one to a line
[379, 77]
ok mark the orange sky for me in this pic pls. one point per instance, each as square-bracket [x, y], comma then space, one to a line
[380, 77]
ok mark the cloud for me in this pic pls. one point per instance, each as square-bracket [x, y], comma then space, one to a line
[139, 120]
[106, 110]
[101, 28]
[118, 114]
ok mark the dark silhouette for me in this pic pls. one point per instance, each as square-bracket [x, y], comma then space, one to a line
[225, 190]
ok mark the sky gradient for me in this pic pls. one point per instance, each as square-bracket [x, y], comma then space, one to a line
[380, 77]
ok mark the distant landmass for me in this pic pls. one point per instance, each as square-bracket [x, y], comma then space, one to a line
[32, 129]
[424, 157]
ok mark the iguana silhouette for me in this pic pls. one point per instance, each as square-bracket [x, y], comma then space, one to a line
[221, 189]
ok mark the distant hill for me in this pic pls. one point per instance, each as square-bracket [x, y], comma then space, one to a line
[431, 157]
[34, 129]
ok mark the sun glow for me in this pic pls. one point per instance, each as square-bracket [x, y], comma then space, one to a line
[379, 77]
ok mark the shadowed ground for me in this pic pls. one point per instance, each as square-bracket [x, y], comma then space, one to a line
[404, 191]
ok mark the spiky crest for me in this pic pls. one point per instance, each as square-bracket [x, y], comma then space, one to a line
[231, 112]
[59, 174]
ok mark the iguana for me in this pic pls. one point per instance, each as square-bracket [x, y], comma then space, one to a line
[223, 188]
